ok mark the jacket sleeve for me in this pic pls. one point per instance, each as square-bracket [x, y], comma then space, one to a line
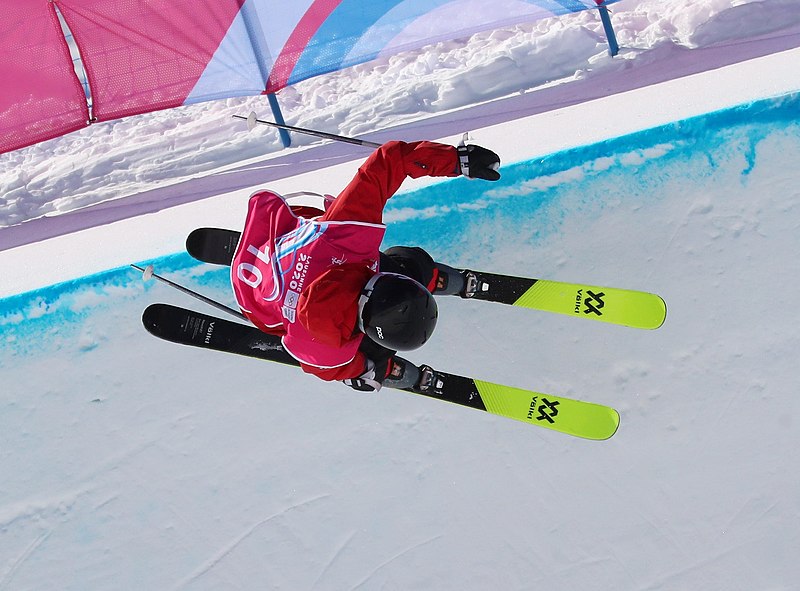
[382, 174]
[352, 370]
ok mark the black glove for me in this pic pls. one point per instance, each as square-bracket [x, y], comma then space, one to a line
[372, 378]
[478, 163]
[394, 372]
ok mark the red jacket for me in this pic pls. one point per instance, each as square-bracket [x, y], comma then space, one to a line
[327, 307]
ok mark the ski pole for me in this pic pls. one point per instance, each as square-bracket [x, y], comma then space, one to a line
[147, 274]
[253, 120]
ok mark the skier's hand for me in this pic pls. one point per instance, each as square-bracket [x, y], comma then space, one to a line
[372, 378]
[478, 163]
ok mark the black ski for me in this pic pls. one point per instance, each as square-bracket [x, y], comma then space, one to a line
[566, 415]
[213, 245]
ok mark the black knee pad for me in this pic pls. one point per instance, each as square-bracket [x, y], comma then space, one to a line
[410, 261]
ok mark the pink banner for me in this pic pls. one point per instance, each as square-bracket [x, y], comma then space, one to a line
[40, 95]
[144, 56]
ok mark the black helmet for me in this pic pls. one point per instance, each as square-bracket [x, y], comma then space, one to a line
[397, 312]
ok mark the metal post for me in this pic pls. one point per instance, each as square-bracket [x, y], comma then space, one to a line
[605, 17]
[276, 113]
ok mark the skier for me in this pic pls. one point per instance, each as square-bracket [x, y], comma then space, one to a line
[319, 280]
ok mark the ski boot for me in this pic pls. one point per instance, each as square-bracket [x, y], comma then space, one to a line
[404, 375]
[449, 281]
[461, 282]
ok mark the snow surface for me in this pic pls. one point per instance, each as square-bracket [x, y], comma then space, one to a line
[136, 464]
